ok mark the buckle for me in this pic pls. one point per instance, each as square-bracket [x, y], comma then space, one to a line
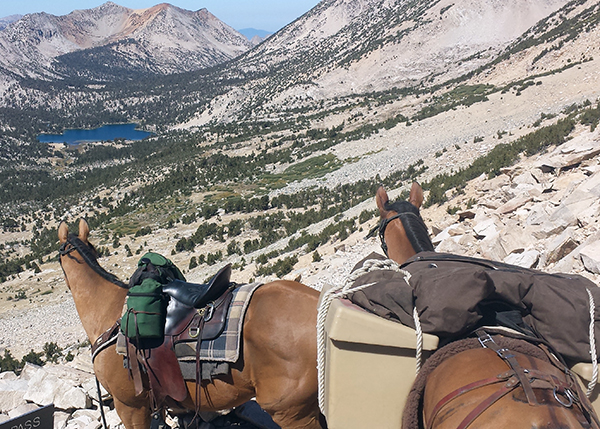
[502, 354]
[208, 311]
[484, 338]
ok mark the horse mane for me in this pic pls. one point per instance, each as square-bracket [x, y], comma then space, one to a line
[416, 230]
[89, 255]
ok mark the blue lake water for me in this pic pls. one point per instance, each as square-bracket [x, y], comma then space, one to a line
[104, 133]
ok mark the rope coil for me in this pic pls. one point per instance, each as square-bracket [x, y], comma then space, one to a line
[342, 292]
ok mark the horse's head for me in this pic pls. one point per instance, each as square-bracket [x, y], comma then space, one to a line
[402, 230]
[77, 249]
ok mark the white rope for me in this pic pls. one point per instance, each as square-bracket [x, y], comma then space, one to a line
[594, 380]
[419, 333]
[342, 292]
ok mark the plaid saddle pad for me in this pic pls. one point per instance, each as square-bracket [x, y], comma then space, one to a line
[226, 347]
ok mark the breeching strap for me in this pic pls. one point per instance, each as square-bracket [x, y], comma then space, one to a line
[510, 359]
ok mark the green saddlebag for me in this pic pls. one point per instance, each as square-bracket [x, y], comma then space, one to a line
[144, 320]
[146, 312]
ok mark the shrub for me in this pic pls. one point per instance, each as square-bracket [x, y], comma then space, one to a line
[316, 256]
[185, 244]
[262, 259]
[213, 258]
[33, 357]
[233, 248]
[52, 352]
[279, 268]
[9, 363]
[143, 231]
[20, 295]
[452, 210]
[365, 215]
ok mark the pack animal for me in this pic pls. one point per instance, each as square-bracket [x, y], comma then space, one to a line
[277, 363]
[489, 385]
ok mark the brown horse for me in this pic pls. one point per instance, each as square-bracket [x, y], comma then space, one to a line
[476, 387]
[277, 364]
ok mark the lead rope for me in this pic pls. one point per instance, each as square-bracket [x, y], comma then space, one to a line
[101, 405]
[594, 356]
[342, 292]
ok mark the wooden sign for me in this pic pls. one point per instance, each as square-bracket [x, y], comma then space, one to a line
[42, 418]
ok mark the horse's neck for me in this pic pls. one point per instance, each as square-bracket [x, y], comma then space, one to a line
[99, 302]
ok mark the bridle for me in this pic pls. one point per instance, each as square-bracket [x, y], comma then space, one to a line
[383, 225]
[65, 249]
[88, 256]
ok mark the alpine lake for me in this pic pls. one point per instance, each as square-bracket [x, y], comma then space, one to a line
[104, 133]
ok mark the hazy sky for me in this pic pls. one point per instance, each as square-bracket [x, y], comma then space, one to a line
[270, 15]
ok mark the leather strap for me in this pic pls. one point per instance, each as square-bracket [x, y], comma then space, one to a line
[106, 339]
[461, 391]
[199, 367]
[510, 359]
[134, 368]
[488, 402]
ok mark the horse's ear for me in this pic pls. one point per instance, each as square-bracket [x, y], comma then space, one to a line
[382, 199]
[63, 232]
[84, 230]
[416, 195]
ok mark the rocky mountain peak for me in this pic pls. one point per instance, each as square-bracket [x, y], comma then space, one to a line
[161, 39]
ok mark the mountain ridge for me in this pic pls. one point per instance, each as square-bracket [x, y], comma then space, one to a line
[167, 39]
[342, 48]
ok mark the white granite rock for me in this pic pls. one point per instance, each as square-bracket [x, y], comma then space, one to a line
[485, 228]
[45, 388]
[526, 259]
[22, 409]
[590, 256]
[12, 393]
[560, 247]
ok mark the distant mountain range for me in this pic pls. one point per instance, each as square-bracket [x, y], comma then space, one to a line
[251, 33]
[342, 54]
[8, 20]
[112, 41]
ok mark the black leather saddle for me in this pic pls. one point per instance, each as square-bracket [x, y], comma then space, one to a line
[187, 297]
[198, 295]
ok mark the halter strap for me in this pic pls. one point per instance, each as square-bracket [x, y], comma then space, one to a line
[87, 253]
[383, 225]
[65, 249]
